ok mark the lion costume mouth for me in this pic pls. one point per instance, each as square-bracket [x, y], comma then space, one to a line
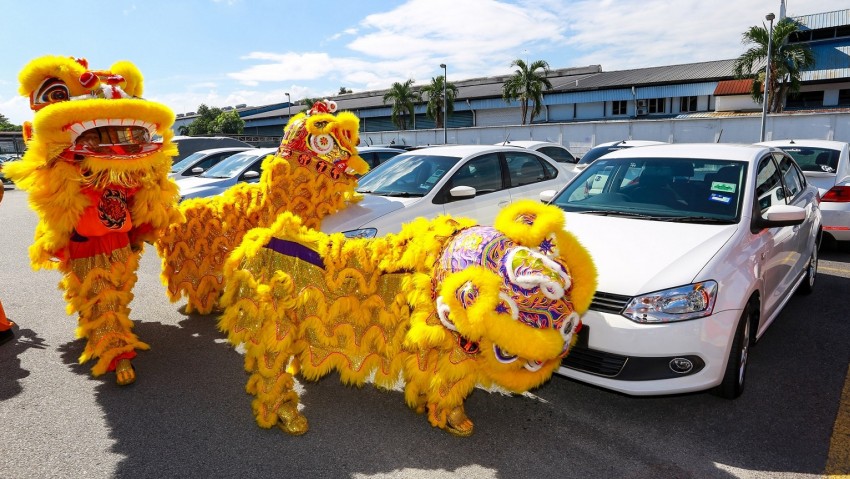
[114, 138]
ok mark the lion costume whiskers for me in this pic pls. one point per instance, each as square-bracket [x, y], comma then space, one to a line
[99, 184]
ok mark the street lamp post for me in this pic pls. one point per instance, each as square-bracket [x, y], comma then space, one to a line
[769, 17]
[445, 106]
[288, 107]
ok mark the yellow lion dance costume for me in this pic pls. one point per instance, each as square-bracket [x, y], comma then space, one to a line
[312, 175]
[441, 307]
[100, 187]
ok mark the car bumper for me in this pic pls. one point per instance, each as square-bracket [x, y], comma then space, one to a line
[836, 219]
[635, 359]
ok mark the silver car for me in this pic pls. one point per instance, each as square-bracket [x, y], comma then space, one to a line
[238, 168]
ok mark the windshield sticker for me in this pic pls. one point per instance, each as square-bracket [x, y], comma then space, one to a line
[434, 177]
[720, 198]
[723, 187]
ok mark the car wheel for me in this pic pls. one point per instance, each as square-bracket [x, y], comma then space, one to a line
[808, 284]
[736, 366]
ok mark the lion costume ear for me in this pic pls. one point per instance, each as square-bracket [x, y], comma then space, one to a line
[467, 298]
[133, 85]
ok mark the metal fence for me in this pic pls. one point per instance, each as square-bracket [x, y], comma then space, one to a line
[579, 137]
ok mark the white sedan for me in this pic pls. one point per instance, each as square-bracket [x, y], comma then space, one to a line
[473, 181]
[826, 164]
[698, 247]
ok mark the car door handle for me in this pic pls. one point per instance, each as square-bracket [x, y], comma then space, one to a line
[504, 203]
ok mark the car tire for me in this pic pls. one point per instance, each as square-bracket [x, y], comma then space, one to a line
[808, 284]
[736, 367]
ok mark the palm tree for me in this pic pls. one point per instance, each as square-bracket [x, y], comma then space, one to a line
[787, 62]
[434, 90]
[526, 85]
[403, 98]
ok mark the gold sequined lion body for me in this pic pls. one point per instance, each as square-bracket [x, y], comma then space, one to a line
[442, 307]
[312, 175]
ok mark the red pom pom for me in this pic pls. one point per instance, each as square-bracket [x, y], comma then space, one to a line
[88, 79]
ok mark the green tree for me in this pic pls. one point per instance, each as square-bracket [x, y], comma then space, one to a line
[403, 97]
[434, 91]
[343, 90]
[787, 62]
[309, 102]
[203, 123]
[228, 122]
[526, 85]
[6, 125]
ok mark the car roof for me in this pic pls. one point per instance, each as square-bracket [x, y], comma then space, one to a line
[714, 151]
[379, 148]
[627, 143]
[837, 145]
[211, 151]
[459, 150]
[527, 143]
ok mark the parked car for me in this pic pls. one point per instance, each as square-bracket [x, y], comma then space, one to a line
[240, 167]
[5, 158]
[826, 165]
[605, 148]
[698, 247]
[473, 181]
[552, 150]
[375, 155]
[201, 161]
[186, 145]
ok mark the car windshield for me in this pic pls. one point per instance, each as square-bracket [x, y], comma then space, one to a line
[186, 162]
[664, 189]
[814, 159]
[595, 153]
[407, 175]
[232, 165]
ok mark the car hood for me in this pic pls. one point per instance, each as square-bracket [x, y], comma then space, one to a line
[635, 256]
[364, 212]
[195, 183]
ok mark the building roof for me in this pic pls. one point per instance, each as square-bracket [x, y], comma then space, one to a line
[734, 87]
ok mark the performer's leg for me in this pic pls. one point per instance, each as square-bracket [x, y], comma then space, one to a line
[275, 400]
[98, 284]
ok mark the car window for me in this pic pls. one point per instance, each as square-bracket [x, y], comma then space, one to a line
[769, 190]
[685, 189]
[558, 154]
[386, 155]
[231, 166]
[407, 175]
[524, 168]
[370, 158]
[814, 159]
[483, 173]
[793, 182]
[185, 162]
[598, 151]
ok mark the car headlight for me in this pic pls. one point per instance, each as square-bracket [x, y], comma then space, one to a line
[675, 304]
[361, 233]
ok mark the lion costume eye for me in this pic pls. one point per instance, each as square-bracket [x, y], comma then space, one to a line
[51, 90]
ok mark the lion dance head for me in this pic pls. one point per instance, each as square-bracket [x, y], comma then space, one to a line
[95, 119]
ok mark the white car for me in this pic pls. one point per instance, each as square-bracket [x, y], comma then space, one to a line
[237, 168]
[826, 165]
[698, 247]
[552, 150]
[473, 181]
[605, 148]
[201, 161]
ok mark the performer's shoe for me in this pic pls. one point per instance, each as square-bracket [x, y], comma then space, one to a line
[291, 421]
[124, 372]
[458, 424]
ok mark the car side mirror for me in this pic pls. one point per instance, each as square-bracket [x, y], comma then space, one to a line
[547, 196]
[777, 216]
[462, 192]
[197, 170]
[250, 175]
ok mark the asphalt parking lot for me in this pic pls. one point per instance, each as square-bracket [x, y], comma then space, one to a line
[188, 414]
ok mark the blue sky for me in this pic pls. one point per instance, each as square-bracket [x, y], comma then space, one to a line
[227, 52]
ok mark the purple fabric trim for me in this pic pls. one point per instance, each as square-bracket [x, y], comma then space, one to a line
[291, 248]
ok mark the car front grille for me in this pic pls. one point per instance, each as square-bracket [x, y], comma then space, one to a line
[594, 362]
[609, 303]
